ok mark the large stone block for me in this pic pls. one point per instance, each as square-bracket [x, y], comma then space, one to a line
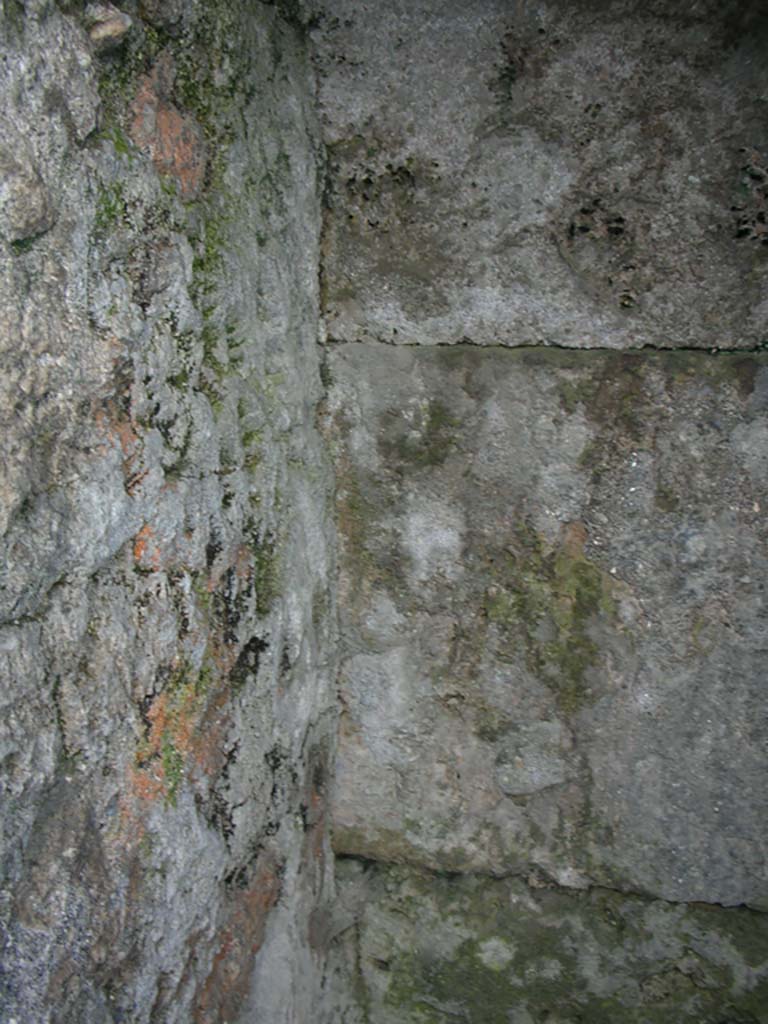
[436, 948]
[552, 583]
[580, 174]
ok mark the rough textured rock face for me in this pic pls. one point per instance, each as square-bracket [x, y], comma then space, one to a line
[433, 948]
[549, 793]
[552, 584]
[167, 714]
[580, 174]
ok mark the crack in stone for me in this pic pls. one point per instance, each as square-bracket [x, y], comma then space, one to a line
[331, 343]
[545, 882]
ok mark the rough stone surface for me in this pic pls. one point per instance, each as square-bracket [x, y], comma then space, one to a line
[581, 174]
[164, 14]
[549, 796]
[553, 597]
[549, 792]
[109, 26]
[166, 709]
[26, 203]
[432, 949]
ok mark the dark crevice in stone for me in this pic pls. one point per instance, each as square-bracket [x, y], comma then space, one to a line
[466, 343]
[544, 881]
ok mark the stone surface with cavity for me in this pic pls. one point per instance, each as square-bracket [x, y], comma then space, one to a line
[588, 175]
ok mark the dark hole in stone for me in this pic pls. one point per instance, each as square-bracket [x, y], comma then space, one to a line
[247, 664]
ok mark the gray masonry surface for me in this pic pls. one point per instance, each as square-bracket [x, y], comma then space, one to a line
[549, 798]
[553, 577]
[384, 403]
[167, 698]
[552, 588]
[588, 174]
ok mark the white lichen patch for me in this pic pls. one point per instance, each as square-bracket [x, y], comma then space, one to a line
[433, 538]
[496, 954]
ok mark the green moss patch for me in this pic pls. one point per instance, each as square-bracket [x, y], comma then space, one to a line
[437, 948]
[551, 598]
[111, 208]
[427, 442]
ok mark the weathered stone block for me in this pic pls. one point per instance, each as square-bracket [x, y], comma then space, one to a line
[435, 948]
[552, 592]
[555, 173]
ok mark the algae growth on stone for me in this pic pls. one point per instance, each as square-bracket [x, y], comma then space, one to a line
[548, 803]
[534, 663]
[434, 948]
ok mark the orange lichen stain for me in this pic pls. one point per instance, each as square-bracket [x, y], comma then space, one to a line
[128, 438]
[146, 552]
[174, 716]
[210, 739]
[158, 719]
[173, 140]
[175, 733]
[244, 562]
[120, 430]
[123, 432]
[169, 721]
[224, 990]
[145, 786]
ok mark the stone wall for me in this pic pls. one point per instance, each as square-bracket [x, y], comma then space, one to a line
[167, 699]
[533, 241]
[545, 225]
[553, 567]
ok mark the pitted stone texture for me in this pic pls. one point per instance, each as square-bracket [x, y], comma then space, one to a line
[553, 610]
[164, 14]
[499, 951]
[578, 174]
[166, 718]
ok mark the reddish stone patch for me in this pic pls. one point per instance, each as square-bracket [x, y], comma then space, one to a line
[210, 740]
[315, 849]
[147, 787]
[318, 830]
[174, 140]
[244, 562]
[123, 431]
[575, 536]
[315, 813]
[146, 551]
[226, 987]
